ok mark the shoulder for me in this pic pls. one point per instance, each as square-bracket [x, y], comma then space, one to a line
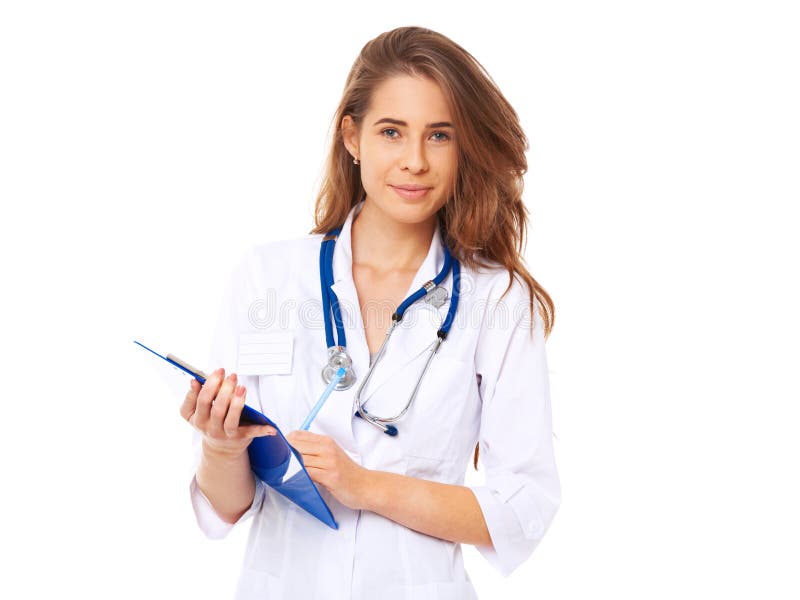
[499, 301]
[492, 283]
[279, 268]
[284, 250]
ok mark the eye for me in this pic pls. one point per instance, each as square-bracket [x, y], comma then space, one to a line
[444, 137]
[384, 131]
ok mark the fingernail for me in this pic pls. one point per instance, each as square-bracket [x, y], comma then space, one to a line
[240, 390]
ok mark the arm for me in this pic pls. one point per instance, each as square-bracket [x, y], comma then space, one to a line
[445, 511]
[227, 483]
[223, 476]
[449, 512]
[507, 516]
[521, 492]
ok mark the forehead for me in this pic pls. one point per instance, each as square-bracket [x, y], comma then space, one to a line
[417, 100]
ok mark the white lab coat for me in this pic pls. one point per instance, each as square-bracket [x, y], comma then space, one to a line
[488, 383]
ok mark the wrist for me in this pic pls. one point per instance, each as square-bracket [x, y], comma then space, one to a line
[222, 454]
[371, 491]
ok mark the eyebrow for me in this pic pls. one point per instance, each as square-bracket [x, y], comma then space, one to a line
[404, 124]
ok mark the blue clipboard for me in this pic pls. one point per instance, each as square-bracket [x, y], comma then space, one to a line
[271, 456]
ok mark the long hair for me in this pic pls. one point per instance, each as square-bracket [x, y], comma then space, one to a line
[485, 221]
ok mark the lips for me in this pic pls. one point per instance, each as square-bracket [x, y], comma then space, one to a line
[410, 192]
[412, 187]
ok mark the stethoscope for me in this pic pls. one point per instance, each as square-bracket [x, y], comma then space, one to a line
[338, 357]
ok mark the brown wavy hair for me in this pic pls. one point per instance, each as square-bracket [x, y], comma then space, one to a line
[485, 221]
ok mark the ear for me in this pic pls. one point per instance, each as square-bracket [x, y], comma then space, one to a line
[350, 136]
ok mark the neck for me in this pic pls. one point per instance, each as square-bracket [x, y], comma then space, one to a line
[384, 244]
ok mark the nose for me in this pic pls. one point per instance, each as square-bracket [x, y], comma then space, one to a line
[414, 157]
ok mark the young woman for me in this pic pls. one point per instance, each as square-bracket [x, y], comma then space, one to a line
[422, 192]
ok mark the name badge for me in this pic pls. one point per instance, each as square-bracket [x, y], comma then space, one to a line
[267, 353]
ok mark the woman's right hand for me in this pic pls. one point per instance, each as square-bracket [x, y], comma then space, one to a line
[214, 409]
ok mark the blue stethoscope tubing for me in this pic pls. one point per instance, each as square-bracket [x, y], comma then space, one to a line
[330, 304]
[329, 299]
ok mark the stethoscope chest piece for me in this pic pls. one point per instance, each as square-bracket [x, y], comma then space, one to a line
[338, 358]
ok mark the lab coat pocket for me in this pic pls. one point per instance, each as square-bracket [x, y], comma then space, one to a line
[258, 584]
[433, 469]
[265, 554]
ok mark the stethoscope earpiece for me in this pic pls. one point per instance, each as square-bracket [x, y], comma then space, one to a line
[387, 429]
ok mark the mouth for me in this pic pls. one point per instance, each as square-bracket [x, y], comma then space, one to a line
[410, 192]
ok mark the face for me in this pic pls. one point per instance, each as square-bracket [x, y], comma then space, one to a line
[405, 141]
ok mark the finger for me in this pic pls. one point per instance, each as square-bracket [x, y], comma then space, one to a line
[231, 423]
[203, 409]
[314, 443]
[190, 400]
[219, 406]
[302, 434]
[314, 461]
[253, 431]
[307, 448]
[315, 474]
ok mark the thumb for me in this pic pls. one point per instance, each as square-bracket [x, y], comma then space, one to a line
[260, 430]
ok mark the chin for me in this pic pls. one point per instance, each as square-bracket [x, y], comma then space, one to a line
[409, 212]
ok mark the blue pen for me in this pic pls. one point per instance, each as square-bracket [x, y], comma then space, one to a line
[307, 423]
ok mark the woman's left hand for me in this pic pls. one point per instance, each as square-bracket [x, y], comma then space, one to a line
[330, 466]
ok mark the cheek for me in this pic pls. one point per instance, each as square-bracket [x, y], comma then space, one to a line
[370, 179]
[374, 175]
[447, 162]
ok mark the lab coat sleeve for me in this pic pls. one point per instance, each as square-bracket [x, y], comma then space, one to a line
[521, 492]
[223, 353]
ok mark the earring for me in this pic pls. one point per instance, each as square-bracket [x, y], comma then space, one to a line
[355, 161]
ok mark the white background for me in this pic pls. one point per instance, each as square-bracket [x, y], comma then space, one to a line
[144, 146]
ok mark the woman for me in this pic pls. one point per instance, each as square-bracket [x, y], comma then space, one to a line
[427, 158]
